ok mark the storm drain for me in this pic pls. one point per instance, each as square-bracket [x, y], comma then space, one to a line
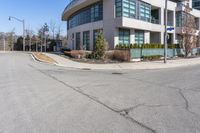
[86, 69]
[117, 73]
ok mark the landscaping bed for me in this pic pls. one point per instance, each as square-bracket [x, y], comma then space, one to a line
[41, 57]
[88, 57]
[94, 61]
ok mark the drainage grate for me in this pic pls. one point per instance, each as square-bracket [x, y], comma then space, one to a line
[87, 69]
[117, 73]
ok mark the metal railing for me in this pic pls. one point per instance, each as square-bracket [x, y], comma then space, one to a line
[169, 23]
[180, 4]
[155, 21]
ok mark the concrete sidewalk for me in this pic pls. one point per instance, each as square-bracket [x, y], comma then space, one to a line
[61, 61]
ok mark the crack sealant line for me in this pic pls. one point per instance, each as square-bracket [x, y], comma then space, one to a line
[97, 101]
[185, 99]
[186, 103]
[174, 88]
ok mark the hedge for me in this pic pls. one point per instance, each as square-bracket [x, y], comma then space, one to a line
[145, 46]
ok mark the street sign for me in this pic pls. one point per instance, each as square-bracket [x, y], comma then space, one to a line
[170, 29]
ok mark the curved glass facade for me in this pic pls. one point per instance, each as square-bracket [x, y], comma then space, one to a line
[89, 14]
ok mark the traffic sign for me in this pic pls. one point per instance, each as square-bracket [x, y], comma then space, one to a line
[170, 29]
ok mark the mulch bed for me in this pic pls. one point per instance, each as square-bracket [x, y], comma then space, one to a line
[94, 61]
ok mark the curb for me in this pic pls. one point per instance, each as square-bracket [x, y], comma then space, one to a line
[56, 64]
[119, 67]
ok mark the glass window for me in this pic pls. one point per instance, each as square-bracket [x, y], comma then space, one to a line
[86, 40]
[125, 8]
[96, 12]
[124, 36]
[118, 6]
[144, 11]
[179, 19]
[78, 41]
[139, 37]
[89, 14]
[133, 9]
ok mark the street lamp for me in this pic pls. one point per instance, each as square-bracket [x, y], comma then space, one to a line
[165, 35]
[23, 22]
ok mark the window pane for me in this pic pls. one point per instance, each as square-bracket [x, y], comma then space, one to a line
[127, 8]
[139, 37]
[86, 40]
[124, 36]
[145, 11]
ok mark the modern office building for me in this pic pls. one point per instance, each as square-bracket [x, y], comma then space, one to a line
[123, 21]
[196, 4]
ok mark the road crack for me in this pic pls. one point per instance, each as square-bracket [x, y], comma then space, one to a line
[180, 92]
[94, 99]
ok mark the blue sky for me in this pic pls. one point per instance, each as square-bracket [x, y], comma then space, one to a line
[35, 13]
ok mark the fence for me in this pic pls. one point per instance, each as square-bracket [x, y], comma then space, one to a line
[139, 52]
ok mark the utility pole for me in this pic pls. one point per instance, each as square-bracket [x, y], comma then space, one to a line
[165, 35]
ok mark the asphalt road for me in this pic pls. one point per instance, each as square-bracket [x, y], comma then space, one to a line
[42, 98]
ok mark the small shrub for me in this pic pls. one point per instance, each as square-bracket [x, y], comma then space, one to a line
[135, 46]
[75, 53]
[90, 55]
[109, 55]
[173, 46]
[146, 46]
[121, 55]
[122, 46]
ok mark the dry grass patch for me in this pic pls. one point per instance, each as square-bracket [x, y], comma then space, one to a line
[44, 58]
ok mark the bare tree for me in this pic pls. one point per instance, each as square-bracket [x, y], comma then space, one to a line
[29, 34]
[58, 31]
[2, 40]
[198, 40]
[52, 27]
[10, 39]
[64, 41]
[42, 35]
[189, 36]
[34, 41]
